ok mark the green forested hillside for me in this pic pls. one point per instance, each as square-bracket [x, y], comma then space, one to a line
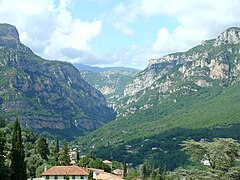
[156, 133]
[180, 96]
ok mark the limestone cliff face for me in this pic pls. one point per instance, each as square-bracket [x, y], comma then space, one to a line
[45, 94]
[215, 62]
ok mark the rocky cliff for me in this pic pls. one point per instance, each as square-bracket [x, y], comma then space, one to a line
[111, 82]
[213, 62]
[45, 94]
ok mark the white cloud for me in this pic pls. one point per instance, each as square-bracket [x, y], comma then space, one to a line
[48, 28]
[122, 16]
[196, 20]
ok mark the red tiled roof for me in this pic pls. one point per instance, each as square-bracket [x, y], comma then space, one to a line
[108, 176]
[65, 170]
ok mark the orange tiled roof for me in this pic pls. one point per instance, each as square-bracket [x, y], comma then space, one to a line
[65, 170]
[108, 176]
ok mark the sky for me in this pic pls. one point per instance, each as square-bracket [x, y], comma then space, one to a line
[110, 33]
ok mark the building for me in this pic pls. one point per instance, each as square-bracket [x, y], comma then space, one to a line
[95, 171]
[107, 162]
[107, 176]
[118, 172]
[99, 174]
[60, 173]
[73, 154]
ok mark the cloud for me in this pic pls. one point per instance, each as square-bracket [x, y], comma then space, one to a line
[48, 27]
[122, 16]
[197, 20]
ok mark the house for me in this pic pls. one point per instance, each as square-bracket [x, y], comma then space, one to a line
[100, 174]
[95, 171]
[73, 156]
[107, 162]
[107, 176]
[60, 172]
[118, 172]
[206, 162]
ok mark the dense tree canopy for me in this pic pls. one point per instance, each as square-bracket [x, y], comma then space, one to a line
[42, 148]
[221, 153]
[18, 165]
[64, 157]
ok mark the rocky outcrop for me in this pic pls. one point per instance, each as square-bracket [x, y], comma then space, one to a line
[45, 94]
[110, 82]
[214, 62]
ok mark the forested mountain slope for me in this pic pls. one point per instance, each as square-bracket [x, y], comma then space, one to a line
[193, 94]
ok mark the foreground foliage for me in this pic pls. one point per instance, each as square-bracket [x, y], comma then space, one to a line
[221, 154]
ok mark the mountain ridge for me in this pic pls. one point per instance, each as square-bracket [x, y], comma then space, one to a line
[179, 96]
[46, 94]
[83, 67]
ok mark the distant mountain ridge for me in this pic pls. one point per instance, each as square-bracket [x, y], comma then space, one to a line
[83, 67]
[111, 81]
[46, 94]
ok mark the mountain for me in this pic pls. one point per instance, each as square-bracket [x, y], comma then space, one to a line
[83, 67]
[212, 63]
[111, 81]
[46, 94]
[186, 95]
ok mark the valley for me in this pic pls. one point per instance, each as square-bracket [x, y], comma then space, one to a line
[191, 94]
[124, 114]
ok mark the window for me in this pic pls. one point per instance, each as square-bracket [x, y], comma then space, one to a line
[73, 177]
[81, 177]
[47, 177]
[55, 177]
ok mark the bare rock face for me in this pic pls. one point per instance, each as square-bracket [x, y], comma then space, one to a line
[45, 94]
[214, 62]
[231, 35]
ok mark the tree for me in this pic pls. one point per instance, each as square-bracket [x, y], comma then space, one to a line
[18, 165]
[146, 169]
[42, 148]
[221, 153]
[98, 164]
[55, 153]
[57, 145]
[153, 172]
[84, 161]
[90, 176]
[64, 157]
[159, 174]
[33, 162]
[2, 123]
[125, 169]
[3, 168]
[67, 177]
